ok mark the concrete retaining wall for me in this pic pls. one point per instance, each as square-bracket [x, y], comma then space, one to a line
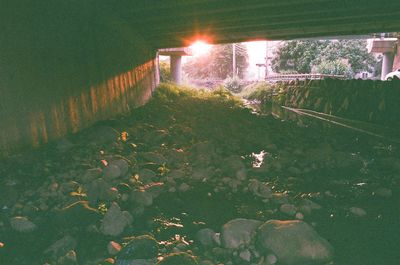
[64, 67]
[363, 100]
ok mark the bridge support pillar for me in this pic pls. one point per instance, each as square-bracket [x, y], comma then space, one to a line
[176, 68]
[387, 64]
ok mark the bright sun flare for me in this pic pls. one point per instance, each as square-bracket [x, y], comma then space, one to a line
[200, 47]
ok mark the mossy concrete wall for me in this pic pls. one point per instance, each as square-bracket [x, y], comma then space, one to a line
[65, 66]
[363, 100]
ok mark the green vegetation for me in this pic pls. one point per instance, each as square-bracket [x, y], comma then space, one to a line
[345, 57]
[258, 90]
[233, 84]
[165, 72]
[217, 63]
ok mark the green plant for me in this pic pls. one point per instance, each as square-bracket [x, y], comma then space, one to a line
[165, 72]
[233, 84]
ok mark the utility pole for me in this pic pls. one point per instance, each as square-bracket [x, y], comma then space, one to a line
[266, 59]
[233, 60]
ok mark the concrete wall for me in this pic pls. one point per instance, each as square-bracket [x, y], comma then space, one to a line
[396, 62]
[362, 100]
[65, 66]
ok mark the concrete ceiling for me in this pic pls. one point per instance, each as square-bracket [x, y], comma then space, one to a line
[172, 23]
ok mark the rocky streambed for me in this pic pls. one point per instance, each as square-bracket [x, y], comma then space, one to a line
[196, 178]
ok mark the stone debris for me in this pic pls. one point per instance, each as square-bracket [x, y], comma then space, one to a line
[22, 224]
[115, 221]
[293, 242]
[238, 232]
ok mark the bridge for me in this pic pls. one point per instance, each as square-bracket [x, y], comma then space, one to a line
[66, 64]
[290, 77]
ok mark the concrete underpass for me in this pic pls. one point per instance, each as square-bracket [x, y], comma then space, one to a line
[101, 164]
[66, 65]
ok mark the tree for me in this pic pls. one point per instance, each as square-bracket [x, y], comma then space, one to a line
[165, 72]
[217, 62]
[306, 56]
[336, 67]
[297, 56]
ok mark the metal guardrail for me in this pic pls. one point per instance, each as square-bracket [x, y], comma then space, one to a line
[289, 77]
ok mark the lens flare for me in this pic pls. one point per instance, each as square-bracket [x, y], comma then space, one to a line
[200, 47]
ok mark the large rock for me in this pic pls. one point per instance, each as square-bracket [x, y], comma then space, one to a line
[22, 224]
[260, 189]
[100, 190]
[141, 198]
[61, 246]
[178, 259]
[141, 247]
[103, 134]
[233, 166]
[77, 214]
[115, 221]
[68, 259]
[205, 237]
[116, 168]
[293, 242]
[238, 232]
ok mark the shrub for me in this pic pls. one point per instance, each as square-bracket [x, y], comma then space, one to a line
[233, 84]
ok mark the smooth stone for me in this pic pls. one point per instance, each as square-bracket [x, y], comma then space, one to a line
[238, 232]
[294, 171]
[299, 216]
[383, 192]
[115, 221]
[22, 224]
[147, 175]
[184, 187]
[154, 158]
[108, 261]
[177, 174]
[280, 198]
[115, 169]
[293, 242]
[141, 247]
[359, 212]
[178, 259]
[113, 248]
[205, 237]
[141, 198]
[69, 259]
[288, 209]
[91, 174]
[271, 259]
[122, 164]
[233, 165]
[104, 134]
[306, 206]
[100, 190]
[245, 255]
[77, 214]
[206, 262]
[135, 262]
[62, 246]
[260, 189]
